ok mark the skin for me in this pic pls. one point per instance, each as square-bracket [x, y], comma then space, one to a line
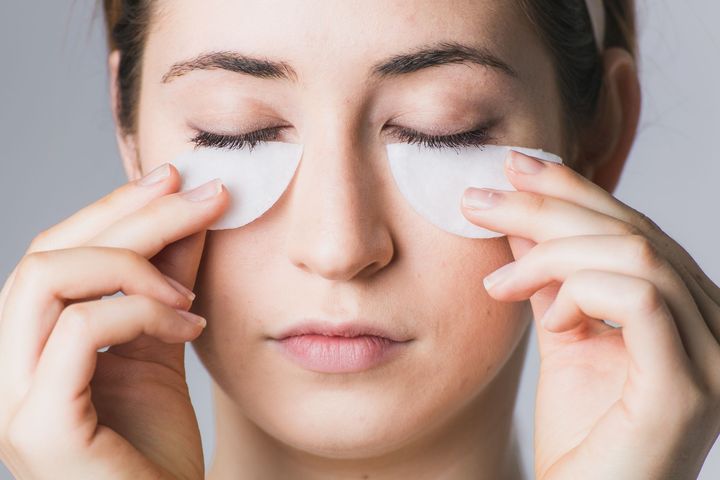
[343, 242]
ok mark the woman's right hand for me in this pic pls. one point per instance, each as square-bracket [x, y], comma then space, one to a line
[69, 411]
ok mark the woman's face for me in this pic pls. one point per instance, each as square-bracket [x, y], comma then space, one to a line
[342, 243]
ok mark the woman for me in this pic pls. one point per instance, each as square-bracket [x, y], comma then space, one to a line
[344, 247]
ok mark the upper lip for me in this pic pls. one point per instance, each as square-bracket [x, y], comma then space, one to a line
[353, 328]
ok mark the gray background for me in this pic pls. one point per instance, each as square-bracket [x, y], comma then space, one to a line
[59, 153]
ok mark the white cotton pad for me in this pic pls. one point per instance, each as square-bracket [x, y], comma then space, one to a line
[255, 178]
[433, 180]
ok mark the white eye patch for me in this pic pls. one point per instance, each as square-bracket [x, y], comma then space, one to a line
[433, 180]
[255, 178]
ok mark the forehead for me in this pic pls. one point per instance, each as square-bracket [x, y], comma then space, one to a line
[331, 39]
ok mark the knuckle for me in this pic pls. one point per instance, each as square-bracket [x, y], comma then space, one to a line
[76, 318]
[696, 399]
[156, 207]
[625, 228]
[40, 242]
[645, 255]
[128, 260]
[32, 265]
[129, 256]
[647, 298]
[536, 202]
[149, 313]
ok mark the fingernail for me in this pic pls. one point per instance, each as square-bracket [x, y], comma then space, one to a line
[499, 276]
[156, 176]
[521, 163]
[204, 192]
[181, 288]
[192, 318]
[480, 199]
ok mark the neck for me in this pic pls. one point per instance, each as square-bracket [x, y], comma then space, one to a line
[478, 442]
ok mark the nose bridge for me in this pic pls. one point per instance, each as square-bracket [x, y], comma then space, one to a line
[337, 227]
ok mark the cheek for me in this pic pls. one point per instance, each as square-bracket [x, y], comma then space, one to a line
[473, 335]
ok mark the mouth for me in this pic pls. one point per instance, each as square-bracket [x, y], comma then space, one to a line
[329, 347]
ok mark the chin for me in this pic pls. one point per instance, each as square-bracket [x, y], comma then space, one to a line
[343, 424]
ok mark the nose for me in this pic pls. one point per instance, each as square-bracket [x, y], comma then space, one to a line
[337, 228]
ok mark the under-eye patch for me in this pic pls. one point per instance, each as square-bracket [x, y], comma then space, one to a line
[255, 178]
[432, 180]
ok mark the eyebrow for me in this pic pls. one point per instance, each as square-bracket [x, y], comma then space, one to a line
[232, 62]
[442, 53]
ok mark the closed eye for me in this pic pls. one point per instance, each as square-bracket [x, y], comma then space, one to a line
[235, 142]
[472, 138]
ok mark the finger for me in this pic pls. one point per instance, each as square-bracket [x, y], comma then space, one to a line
[94, 218]
[649, 331]
[67, 363]
[541, 301]
[166, 220]
[633, 255]
[179, 260]
[536, 216]
[170, 231]
[43, 285]
[562, 182]
[539, 218]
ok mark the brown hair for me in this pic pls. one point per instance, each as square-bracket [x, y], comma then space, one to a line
[563, 25]
[127, 23]
[566, 30]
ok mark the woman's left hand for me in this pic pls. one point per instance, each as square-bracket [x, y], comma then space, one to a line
[637, 402]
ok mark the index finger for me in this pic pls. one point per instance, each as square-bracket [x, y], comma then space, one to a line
[88, 222]
[562, 182]
[91, 220]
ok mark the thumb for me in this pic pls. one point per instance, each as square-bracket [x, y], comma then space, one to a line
[520, 246]
[540, 300]
[180, 261]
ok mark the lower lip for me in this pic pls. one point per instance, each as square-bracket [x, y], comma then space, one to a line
[327, 354]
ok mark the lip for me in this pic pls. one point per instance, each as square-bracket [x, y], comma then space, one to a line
[339, 329]
[330, 347]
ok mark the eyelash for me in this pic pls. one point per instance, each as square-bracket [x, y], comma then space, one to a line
[235, 142]
[473, 138]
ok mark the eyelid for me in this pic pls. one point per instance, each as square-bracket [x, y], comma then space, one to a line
[477, 137]
[252, 131]
[220, 140]
[439, 132]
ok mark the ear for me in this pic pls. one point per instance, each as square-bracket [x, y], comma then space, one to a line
[126, 141]
[607, 144]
